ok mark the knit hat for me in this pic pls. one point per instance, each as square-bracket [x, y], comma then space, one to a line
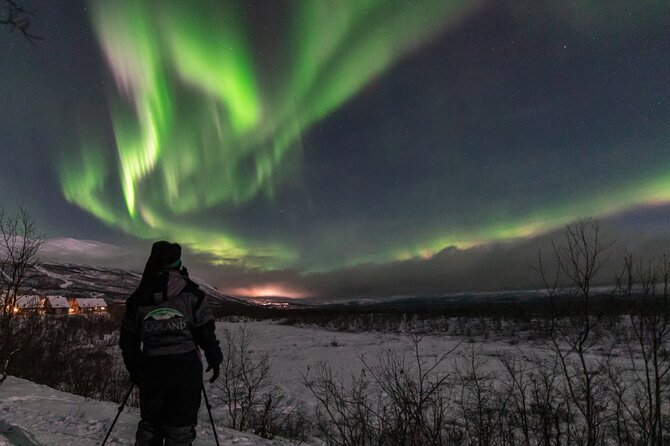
[164, 255]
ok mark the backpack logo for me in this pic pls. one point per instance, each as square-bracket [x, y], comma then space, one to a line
[163, 319]
[160, 314]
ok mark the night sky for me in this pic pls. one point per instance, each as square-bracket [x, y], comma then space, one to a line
[339, 148]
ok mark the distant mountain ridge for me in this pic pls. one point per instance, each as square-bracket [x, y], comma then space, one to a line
[111, 284]
[115, 285]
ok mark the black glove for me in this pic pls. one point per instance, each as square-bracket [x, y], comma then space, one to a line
[214, 359]
[215, 372]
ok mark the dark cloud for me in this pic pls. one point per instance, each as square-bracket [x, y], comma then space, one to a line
[510, 265]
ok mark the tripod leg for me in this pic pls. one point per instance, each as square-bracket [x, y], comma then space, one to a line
[118, 414]
[209, 410]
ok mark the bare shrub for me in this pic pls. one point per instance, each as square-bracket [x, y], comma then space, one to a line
[74, 354]
[20, 242]
[280, 414]
[344, 414]
[252, 400]
[535, 407]
[641, 385]
[400, 399]
[578, 260]
[483, 408]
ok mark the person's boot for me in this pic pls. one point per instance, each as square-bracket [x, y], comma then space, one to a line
[148, 434]
[179, 436]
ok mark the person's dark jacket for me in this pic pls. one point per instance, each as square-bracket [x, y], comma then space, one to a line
[169, 316]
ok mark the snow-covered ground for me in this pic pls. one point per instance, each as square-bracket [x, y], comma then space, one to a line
[32, 414]
[66, 283]
[292, 349]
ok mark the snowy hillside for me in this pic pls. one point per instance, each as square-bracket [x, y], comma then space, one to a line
[112, 284]
[32, 414]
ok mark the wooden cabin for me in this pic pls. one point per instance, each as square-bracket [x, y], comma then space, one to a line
[56, 305]
[90, 305]
[29, 304]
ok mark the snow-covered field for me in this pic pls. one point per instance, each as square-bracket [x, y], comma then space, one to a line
[31, 414]
[293, 349]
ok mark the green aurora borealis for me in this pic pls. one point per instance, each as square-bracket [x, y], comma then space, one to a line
[196, 128]
[299, 142]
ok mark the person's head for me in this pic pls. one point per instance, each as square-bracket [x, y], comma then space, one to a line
[165, 256]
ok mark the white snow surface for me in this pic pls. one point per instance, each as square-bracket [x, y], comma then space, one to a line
[32, 414]
[293, 350]
[32, 301]
[66, 283]
[58, 302]
[45, 416]
[91, 302]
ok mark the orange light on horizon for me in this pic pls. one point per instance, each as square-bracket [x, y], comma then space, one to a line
[266, 290]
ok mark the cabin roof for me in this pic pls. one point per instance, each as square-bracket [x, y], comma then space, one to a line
[58, 302]
[29, 301]
[91, 302]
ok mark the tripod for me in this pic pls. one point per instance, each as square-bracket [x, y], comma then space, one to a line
[123, 404]
[209, 410]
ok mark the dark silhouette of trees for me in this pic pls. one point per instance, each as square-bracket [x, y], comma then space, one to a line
[20, 242]
[16, 17]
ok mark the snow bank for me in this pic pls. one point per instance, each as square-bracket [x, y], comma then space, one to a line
[32, 414]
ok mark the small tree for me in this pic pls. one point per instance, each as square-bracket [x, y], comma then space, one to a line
[643, 387]
[20, 242]
[253, 402]
[243, 378]
[477, 400]
[578, 260]
[401, 399]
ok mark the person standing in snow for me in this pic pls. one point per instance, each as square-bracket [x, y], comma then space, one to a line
[167, 318]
